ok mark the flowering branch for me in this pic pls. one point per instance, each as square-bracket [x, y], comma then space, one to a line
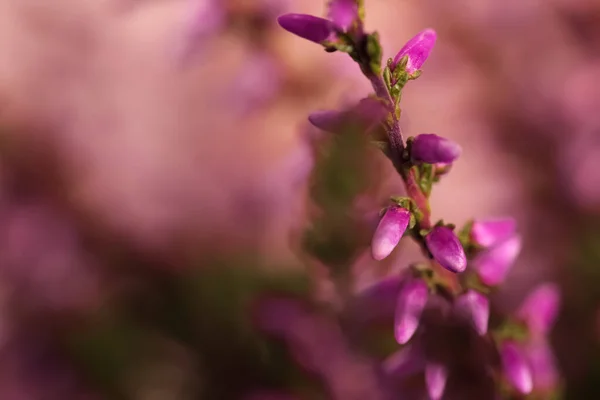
[488, 247]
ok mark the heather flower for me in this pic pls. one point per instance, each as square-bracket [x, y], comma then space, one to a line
[436, 376]
[431, 148]
[543, 365]
[493, 264]
[309, 27]
[476, 307]
[417, 49]
[409, 307]
[343, 13]
[516, 368]
[405, 362]
[392, 226]
[446, 249]
[540, 308]
[365, 115]
[487, 233]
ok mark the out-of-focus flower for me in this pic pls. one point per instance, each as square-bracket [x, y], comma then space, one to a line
[411, 302]
[446, 249]
[204, 18]
[493, 264]
[365, 115]
[490, 232]
[431, 148]
[436, 376]
[405, 362]
[392, 226]
[417, 49]
[308, 27]
[259, 82]
[343, 13]
[516, 367]
[540, 308]
[543, 365]
[476, 307]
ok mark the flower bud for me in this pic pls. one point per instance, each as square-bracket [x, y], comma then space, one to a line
[436, 376]
[487, 233]
[540, 308]
[327, 120]
[306, 26]
[446, 249]
[343, 13]
[493, 264]
[417, 49]
[409, 307]
[543, 365]
[476, 307]
[516, 368]
[431, 148]
[392, 226]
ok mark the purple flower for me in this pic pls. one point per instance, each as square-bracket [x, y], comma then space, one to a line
[327, 120]
[417, 49]
[431, 148]
[436, 376]
[307, 26]
[543, 365]
[446, 249]
[365, 115]
[516, 368]
[476, 307]
[389, 232]
[540, 308]
[343, 13]
[409, 307]
[488, 233]
[493, 264]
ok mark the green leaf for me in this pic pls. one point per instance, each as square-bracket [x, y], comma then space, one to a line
[374, 52]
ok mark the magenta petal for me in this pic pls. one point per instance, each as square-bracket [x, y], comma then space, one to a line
[343, 12]
[306, 26]
[540, 308]
[516, 368]
[490, 232]
[436, 376]
[446, 249]
[405, 362]
[493, 264]
[417, 49]
[431, 148]
[543, 365]
[392, 226]
[409, 307]
[476, 307]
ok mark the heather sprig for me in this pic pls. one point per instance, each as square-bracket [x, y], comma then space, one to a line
[465, 265]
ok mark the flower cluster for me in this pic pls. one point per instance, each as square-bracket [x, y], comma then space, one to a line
[478, 256]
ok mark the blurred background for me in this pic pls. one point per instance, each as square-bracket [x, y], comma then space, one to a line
[172, 228]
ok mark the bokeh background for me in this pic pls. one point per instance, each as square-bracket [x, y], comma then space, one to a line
[156, 167]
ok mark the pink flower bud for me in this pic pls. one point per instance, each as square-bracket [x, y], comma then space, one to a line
[543, 365]
[431, 148]
[409, 307]
[306, 26]
[540, 308]
[436, 376]
[446, 249]
[493, 264]
[343, 12]
[490, 232]
[392, 226]
[516, 368]
[417, 49]
[476, 307]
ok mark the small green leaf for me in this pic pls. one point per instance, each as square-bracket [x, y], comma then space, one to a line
[374, 52]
